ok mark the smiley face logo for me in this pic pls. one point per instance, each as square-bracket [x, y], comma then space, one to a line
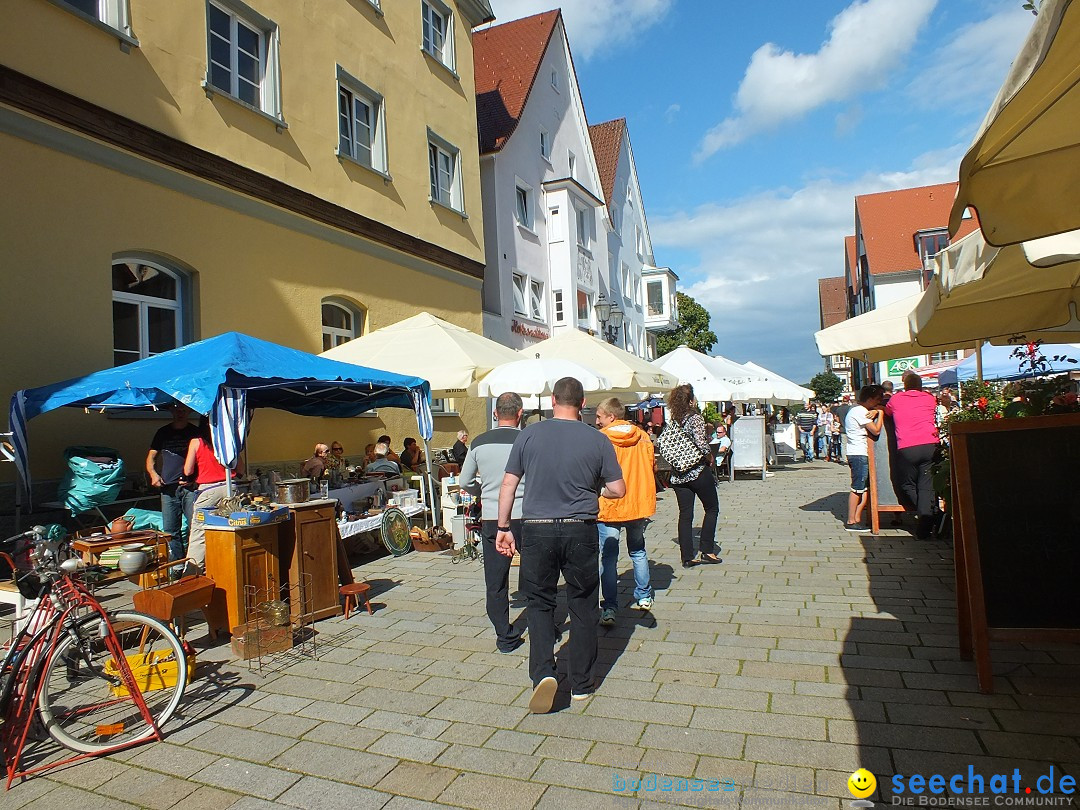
[861, 783]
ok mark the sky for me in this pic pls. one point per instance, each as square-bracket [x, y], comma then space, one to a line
[755, 124]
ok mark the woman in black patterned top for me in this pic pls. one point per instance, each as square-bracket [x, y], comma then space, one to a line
[697, 482]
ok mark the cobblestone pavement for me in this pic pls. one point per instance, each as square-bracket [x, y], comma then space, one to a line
[809, 653]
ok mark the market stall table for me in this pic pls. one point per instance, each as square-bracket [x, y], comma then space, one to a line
[350, 528]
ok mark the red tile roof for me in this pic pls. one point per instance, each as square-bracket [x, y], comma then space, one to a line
[890, 219]
[832, 300]
[506, 59]
[607, 146]
[851, 267]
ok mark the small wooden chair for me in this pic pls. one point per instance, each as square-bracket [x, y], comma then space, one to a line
[172, 602]
[353, 592]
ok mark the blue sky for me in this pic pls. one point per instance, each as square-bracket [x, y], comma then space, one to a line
[755, 124]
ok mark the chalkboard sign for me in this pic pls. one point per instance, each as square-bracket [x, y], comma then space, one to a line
[1018, 556]
[747, 445]
[786, 442]
[882, 489]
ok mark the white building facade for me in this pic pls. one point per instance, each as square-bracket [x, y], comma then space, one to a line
[565, 233]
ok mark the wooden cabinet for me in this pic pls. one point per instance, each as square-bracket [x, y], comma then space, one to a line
[244, 557]
[309, 549]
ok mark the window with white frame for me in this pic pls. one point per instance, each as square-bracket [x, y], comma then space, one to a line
[655, 304]
[536, 300]
[113, 13]
[555, 79]
[520, 292]
[438, 29]
[583, 230]
[639, 237]
[555, 225]
[341, 322]
[148, 310]
[584, 307]
[523, 207]
[941, 357]
[557, 300]
[243, 55]
[444, 169]
[361, 125]
[571, 160]
[545, 144]
[625, 278]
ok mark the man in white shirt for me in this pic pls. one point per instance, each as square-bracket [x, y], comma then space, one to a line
[862, 421]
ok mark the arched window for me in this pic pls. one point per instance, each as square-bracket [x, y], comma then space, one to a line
[341, 322]
[148, 309]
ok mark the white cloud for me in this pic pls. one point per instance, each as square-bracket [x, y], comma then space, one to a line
[592, 26]
[671, 112]
[755, 261]
[968, 69]
[866, 41]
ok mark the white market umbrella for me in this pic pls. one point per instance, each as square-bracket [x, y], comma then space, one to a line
[536, 376]
[623, 370]
[448, 356]
[1022, 171]
[693, 367]
[785, 392]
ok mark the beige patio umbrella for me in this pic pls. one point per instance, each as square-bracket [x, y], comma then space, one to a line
[1022, 172]
[1003, 298]
[624, 371]
[448, 356]
[878, 335]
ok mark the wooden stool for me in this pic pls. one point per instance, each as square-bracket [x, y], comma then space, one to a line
[170, 602]
[354, 591]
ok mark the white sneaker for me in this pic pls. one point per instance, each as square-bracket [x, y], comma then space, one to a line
[643, 604]
[582, 696]
[543, 695]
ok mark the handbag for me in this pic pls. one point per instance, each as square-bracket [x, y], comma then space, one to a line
[678, 448]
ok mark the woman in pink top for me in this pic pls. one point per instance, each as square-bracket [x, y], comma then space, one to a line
[913, 411]
[202, 467]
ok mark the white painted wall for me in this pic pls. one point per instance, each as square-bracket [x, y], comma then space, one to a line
[887, 289]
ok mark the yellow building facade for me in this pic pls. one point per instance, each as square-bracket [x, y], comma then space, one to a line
[296, 171]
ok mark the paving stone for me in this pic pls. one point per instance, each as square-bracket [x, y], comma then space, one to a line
[254, 746]
[417, 781]
[515, 741]
[62, 796]
[668, 763]
[393, 700]
[646, 711]
[313, 689]
[564, 749]
[403, 746]
[467, 733]
[406, 724]
[246, 778]
[810, 754]
[149, 789]
[405, 803]
[336, 764]
[617, 756]
[319, 794]
[355, 737]
[719, 698]
[776, 725]
[475, 712]
[693, 740]
[560, 798]
[208, 798]
[484, 760]
[285, 725]
[483, 792]
[90, 773]
[172, 759]
[582, 727]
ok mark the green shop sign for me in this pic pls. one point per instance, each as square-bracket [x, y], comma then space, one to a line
[896, 368]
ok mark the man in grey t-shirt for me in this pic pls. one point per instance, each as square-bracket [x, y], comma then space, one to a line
[565, 465]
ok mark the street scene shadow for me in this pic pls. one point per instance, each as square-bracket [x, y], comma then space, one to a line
[836, 504]
[915, 706]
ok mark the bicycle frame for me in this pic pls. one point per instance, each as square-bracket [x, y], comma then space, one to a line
[63, 606]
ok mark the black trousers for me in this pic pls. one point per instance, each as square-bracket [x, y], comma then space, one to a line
[914, 477]
[573, 550]
[497, 580]
[704, 489]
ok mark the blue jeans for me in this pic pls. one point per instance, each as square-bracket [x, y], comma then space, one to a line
[609, 559]
[177, 503]
[822, 444]
[807, 444]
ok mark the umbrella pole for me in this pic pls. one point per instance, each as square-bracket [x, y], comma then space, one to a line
[978, 362]
[430, 485]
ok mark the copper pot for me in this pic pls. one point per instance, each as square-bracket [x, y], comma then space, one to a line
[293, 490]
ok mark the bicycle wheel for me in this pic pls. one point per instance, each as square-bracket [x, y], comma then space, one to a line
[84, 703]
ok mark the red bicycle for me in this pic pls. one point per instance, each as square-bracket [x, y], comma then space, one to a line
[99, 680]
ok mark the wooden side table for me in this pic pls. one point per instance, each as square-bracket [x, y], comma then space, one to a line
[240, 557]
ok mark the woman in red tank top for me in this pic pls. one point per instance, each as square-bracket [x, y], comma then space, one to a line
[203, 468]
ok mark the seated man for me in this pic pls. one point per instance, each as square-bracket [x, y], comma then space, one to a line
[382, 465]
[722, 445]
[412, 457]
[315, 466]
[390, 454]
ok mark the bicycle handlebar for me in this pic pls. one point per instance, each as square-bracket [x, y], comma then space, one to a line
[33, 531]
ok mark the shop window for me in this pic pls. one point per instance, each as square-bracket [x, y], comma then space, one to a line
[243, 55]
[341, 322]
[148, 310]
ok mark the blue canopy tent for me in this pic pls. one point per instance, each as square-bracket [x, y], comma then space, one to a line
[226, 377]
[999, 364]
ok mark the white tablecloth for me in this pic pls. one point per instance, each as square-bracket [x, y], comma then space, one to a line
[350, 527]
